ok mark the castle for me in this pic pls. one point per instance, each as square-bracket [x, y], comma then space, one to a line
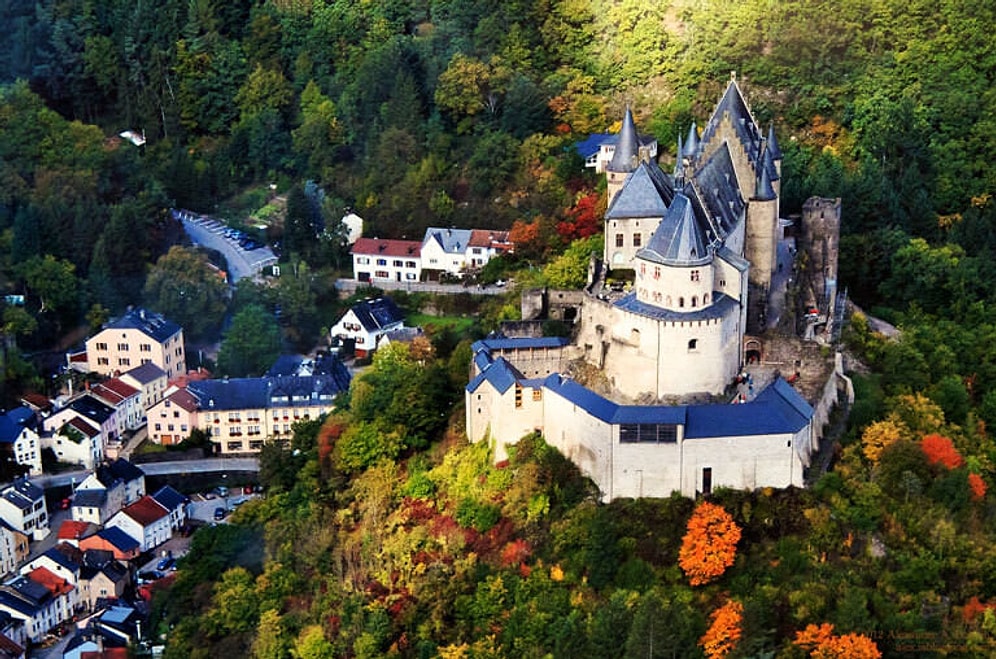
[701, 246]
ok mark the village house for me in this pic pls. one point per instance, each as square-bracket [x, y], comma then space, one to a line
[35, 604]
[366, 321]
[14, 548]
[62, 560]
[150, 380]
[136, 338]
[175, 503]
[172, 419]
[102, 578]
[146, 521]
[386, 260]
[19, 434]
[109, 488]
[22, 506]
[112, 539]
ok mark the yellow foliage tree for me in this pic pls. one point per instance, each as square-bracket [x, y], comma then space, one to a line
[917, 413]
[709, 545]
[724, 631]
[880, 435]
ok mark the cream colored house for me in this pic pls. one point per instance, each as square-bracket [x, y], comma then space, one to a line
[150, 380]
[139, 337]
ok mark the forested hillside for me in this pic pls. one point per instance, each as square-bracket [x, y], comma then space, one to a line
[384, 534]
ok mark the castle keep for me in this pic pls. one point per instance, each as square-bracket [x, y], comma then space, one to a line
[700, 245]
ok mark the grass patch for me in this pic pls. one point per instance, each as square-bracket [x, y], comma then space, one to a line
[457, 324]
[149, 447]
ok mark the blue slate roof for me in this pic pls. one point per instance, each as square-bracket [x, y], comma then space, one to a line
[30, 590]
[258, 393]
[734, 259]
[169, 498]
[453, 241]
[378, 313]
[9, 430]
[720, 306]
[120, 470]
[717, 193]
[90, 407]
[23, 493]
[589, 147]
[778, 409]
[499, 373]
[118, 539]
[627, 153]
[597, 406]
[647, 192]
[89, 498]
[679, 239]
[146, 373]
[20, 605]
[519, 343]
[743, 121]
[59, 558]
[149, 323]
[22, 415]
[776, 151]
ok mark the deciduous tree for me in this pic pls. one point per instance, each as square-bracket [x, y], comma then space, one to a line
[724, 631]
[940, 451]
[710, 544]
[879, 435]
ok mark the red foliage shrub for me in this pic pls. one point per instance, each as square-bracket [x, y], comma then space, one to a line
[516, 551]
[584, 219]
[977, 486]
[940, 451]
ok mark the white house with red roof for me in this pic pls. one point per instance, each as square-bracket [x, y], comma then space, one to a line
[146, 520]
[124, 397]
[386, 260]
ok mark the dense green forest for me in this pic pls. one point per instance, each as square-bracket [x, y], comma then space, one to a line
[383, 533]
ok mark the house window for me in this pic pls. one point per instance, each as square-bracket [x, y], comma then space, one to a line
[637, 239]
[693, 344]
[657, 272]
[695, 275]
[643, 269]
[146, 361]
[363, 260]
[410, 276]
[707, 480]
[433, 261]
[124, 361]
[695, 301]
[123, 347]
[537, 394]
[398, 263]
[722, 283]
[159, 426]
[382, 274]
[145, 347]
[410, 264]
[705, 299]
[620, 240]
[381, 261]
[103, 361]
[101, 346]
[234, 446]
[518, 395]
[255, 444]
[681, 302]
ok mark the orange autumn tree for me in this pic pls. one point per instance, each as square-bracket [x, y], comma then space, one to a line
[725, 630]
[709, 545]
[822, 643]
[977, 487]
[941, 451]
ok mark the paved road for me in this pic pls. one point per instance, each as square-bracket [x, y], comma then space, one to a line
[204, 466]
[350, 285]
[204, 230]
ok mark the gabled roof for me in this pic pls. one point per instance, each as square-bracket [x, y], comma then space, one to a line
[647, 192]
[379, 247]
[499, 373]
[589, 147]
[183, 399]
[118, 539]
[679, 239]
[119, 471]
[79, 423]
[54, 583]
[778, 409]
[114, 391]
[716, 193]
[89, 498]
[377, 313]
[154, 325]
[146, 373]
[23, 493]
[452, 241]
[13, 423]
[71, 529]
[258, 393]
[146, 511]
[60, 556]
[497, 240]
[734, 104]
[29, 590]
[169, 498]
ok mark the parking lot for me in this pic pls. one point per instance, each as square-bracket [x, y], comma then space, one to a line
[244, 259]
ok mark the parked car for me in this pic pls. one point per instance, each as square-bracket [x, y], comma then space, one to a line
[149, 575]
[247, 489]
[219, 513]
[221, 491]
[65, 503]
[166, 563]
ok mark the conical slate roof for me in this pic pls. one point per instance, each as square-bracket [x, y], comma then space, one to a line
[679, 166]
[679, 240]
[776, 153]
[627, 153]
[692, 142]
[765, 191]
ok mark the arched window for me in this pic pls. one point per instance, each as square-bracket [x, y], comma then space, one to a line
[693, 344]
[695, 275]
[695, 301]
[705, 299]
[657, 272]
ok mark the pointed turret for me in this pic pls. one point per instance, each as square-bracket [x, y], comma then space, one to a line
[692, 142]
[776, 153]
[765, 191]
[627, 153]
[679, 167]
